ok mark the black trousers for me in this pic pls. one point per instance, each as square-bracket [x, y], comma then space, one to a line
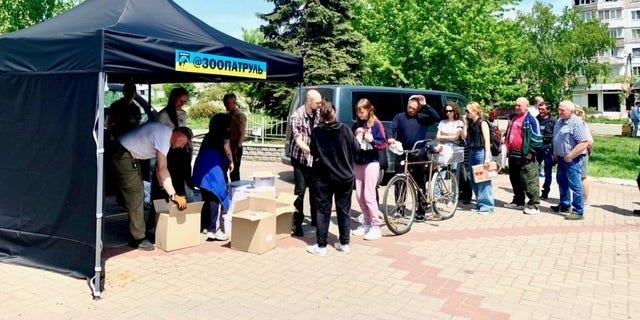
[523, 175]
[237, 159]
[340, 192]
[303, 179]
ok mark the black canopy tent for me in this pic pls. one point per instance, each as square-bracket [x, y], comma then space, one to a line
[52, 80]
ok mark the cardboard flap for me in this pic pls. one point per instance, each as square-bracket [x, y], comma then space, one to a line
[255, 204]
[162, 206]
[252, 215]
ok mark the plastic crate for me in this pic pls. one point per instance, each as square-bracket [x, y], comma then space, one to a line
[444, 158]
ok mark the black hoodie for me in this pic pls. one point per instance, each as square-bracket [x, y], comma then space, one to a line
[333, 147]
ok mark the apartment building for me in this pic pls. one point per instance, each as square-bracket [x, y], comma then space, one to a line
[623, 19]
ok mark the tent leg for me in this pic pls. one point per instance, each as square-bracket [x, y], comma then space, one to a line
[96, 282]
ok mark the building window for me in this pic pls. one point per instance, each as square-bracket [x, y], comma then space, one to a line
[610, 0]
[635, 52]
[581, 2]
[635, 15]
[636, 71]
[588, 15]
[616, 33]
[635, 33]
[615, 70]
[613, 14]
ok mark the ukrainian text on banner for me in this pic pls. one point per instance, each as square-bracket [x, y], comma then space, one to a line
[189, 61]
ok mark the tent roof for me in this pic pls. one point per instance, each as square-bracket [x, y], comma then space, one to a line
[139, 39]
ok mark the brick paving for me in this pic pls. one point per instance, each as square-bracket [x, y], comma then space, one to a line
[502, 266]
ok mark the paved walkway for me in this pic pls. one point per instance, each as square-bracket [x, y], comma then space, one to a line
[504, 266]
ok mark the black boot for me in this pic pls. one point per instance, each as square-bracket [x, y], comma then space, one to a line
[297, 224]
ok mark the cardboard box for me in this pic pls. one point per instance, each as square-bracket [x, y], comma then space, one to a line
[253, 230]
[482, 174]
[177, 229]
[284, 210]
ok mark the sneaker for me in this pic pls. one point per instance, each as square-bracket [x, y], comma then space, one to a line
[373, 234]
[573, 216]
[341, 247]
[221, 236]
[482, 212]
[142, 244]
[531, 210]
[636, 212]
[544, 196]
[514, 205]
[559, 209]
[420, 217]
[360, 219]
[361, 231]
[314, 249]
[211, 236]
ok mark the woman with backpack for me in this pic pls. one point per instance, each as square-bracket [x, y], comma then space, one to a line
[477, 135]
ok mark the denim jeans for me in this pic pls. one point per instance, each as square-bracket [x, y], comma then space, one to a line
[569, 177]
[483, 190]
[545, 156]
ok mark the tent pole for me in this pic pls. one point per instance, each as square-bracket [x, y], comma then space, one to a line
[96, 281]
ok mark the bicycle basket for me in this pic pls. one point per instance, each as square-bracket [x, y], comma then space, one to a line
[454, 155]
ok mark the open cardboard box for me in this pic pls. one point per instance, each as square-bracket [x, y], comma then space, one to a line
[284, 210]
[253, 225]
[177, 229]
[264, 181]
[482, 174]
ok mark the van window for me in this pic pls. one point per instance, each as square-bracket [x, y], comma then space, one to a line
[387, 104]
[461, 103]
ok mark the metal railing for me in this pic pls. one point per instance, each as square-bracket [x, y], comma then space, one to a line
[262, 129]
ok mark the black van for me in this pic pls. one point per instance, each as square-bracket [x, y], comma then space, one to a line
[387, 101]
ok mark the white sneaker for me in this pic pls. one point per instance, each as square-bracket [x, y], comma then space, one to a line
[531, 210]
[221, 236]
[361, 231]
[359, 219]
[373, 234]
[342, 247]
[211, 236]
[314, 249]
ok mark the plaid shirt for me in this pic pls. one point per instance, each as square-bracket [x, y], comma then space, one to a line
[569, 133]
[301, 125]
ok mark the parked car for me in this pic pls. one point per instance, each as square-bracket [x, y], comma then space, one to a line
[387, 101]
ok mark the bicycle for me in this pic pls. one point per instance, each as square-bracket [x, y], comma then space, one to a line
[399, 202]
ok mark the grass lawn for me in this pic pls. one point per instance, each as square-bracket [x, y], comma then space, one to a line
[615, 157]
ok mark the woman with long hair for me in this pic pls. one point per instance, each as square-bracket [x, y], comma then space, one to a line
[370, 134]
[477, 136]
[333, 148]
[173, 116]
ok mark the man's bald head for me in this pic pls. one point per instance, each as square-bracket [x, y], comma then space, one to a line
[314, 100]
[522, 105]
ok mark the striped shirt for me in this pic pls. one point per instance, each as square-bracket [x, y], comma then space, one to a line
[301, 125]
[567, 134]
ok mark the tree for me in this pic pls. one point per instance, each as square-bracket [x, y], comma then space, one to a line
[321, 32]
[19, 14]
[559, 49]
[457, 45]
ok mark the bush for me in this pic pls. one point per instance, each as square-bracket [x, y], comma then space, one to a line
[204, 110]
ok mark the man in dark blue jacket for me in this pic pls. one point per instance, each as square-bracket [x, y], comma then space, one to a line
[407, 128]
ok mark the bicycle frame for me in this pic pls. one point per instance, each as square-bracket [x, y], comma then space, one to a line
[430, 164]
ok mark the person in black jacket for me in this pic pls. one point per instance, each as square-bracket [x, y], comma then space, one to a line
[333, 147]
[545, 155]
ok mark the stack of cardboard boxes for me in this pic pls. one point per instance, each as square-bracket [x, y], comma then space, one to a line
[259, 217]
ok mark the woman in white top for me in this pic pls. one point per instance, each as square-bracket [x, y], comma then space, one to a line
[450, 129]
[173, 116]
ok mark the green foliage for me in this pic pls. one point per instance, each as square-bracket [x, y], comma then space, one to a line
[204, 110]
[455, 45]
[191, 88]
[19, 14]
[253, 36]
[559, 48]
[322, 33]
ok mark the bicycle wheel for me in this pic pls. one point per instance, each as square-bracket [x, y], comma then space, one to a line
[399, 204]
[444, 193]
